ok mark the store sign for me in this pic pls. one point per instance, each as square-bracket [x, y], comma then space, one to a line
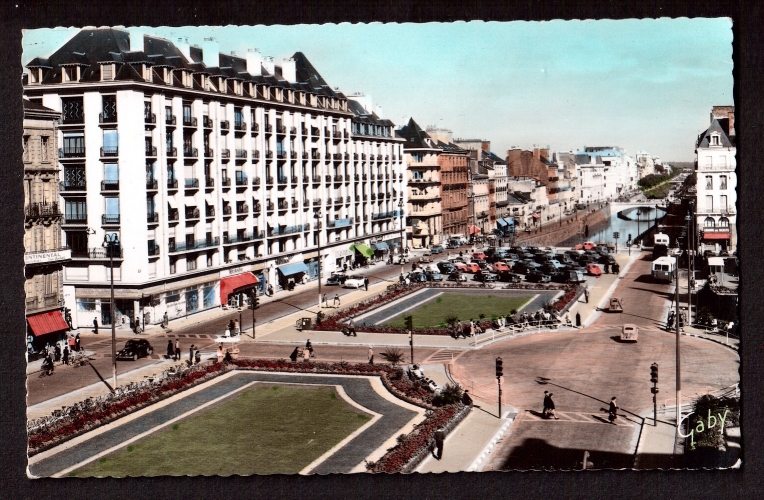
[233, 271]
[42, 257]
[342, 253]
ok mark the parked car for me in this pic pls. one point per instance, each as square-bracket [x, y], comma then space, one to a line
[446, 267]
[353, 282]
[433, 276]
[549, 268]
[500, 266]
[487, 277]
[561, 277]
[575, 276]
[417, 277]
[472, 267]
[593, 270]
[525, 266]
[575, 267]
[510, 277]
[436, 249]
[457, 276]
[538, 277]
[584, 259]
[563, 258]
[512, 256]
[134, 349]
[478, 256]
[336, 279]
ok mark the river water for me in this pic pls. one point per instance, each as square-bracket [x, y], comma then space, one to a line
[603, 233]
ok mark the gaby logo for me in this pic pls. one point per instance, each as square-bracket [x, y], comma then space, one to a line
[700, 428]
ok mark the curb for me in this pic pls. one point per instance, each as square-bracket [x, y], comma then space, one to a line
[478, 463]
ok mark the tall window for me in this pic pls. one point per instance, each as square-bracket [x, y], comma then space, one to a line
[723, 182]
[709, 203]
[724, 222]
[723, 202]
[709, 182]
[238, 116]
[147, 110]
[74, 144]
[709, 222]
[44, 148]
[112, 206]
[186, 113]
[74, 177]
[76, 210]
[109, 107]
[110, 142]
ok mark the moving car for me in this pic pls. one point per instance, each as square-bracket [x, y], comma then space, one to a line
[593, 270]
[353, 282]
[436, 249]
[417, 277]
[629, 333]
[134, 349]
[336, 279]
[538, 277]
[575, 276]
[478, 256]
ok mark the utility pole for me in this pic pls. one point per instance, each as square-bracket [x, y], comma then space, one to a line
[111, 244]
[654, 390]
[678, 373]
[317, 216]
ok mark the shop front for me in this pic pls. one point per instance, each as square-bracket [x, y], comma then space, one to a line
[292, 274]
[45, 328]
[361, 254]
[235, 289]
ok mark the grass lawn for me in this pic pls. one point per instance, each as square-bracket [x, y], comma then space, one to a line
[464, 307]
[264, 430]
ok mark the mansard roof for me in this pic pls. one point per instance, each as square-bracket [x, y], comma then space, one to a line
[415, 137]
[718, 126]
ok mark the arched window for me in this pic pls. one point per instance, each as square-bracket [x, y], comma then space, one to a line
[724, 222]
[709, 222]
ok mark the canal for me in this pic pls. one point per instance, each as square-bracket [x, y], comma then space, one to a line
[625, 219]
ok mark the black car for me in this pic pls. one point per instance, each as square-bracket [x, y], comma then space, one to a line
[561, 277]
[510, 277]
[417, 277]
[134, 349]
[336, 279]
[575, 267]
[433, 276]
[538, 277]
[487, 277]
[446, 267]
[606, 259]
[525, 266]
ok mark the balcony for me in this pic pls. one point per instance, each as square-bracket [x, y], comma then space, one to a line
[72, 186]
[209, 182]
[255, 128]
[239, 126]
[268, 129]
[188, 246]
[292, 130]
[269, 180]
[153, 250]
[76, 219]
[152, 184]
[340, 222]
[293, 155]
[108, 119]
[172, 183]
[190, 152]
[281, 130]
[316, 179]
[338, 178]
[239, 238]
[191, 183]
[170, 121]
[241, 180]
[256, 181]
[282, 181]
[283, 205]
[338, 200]
[269, 154]
[42, 210]
[269, 206]
[151, 151]
[209, 212]
[303, 131]
[190, 121]
[328, 178]
[305, 179]
[109, 151]
[173, 215]
[226, 209]
[281, 155]
[242, 209]
[209, 153]
[315, 155]
[110, 220]
[255, 155]
[241, 154]
[317, 202]
[110, 185]
[97, 253]
[150, 118]
[172, 152]
[71, 152]
[206, 122]
[386, 215]
[256, 207]
[152, 218]
[226, 182]
[225, 154]
[192, 214]
[225, 126]
[279, 231]
[337, 156]
[294, 179]
[305, 155]
[327, 156]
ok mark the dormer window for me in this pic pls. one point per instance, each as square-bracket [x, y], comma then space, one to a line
[715, 140]
[71, 73]
[146, 70]
[35, 75]
[107, 72]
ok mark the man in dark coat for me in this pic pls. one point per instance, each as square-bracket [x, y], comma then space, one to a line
[57, 351]
[546, 404]
[65, 356]
[550, 406]
[578, 320]
[366, 281]
[95, 325]
[191, 354]
[293, 356]
[170, 350]
[440, 438]
[77, 341]
[613, 411]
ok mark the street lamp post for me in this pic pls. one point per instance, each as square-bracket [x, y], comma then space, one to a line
[400, 213]
[317, 216]
[111, 243]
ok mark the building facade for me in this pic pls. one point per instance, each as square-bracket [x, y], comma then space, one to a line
[716, 183]
[44, 254]
[218, 174]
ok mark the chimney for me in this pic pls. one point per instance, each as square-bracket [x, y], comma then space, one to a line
[289, 70]
[136, 40]
[254, 62]
[268, 65]
[184, 47]
[210, 53]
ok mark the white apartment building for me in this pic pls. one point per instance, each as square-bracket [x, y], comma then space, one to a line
[218, 174]
[604, 173]
[716, 183]
[645, 164]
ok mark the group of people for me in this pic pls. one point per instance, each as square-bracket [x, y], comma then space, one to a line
[307, 352]
[336, 302]
[173, 352]
[549, 408]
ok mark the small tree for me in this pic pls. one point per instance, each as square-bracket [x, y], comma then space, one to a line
[393, 354]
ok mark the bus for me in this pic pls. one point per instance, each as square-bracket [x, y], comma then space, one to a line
[660, 245]
[663, 269]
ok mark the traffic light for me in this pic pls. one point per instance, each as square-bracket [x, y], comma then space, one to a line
[254, 300]
[409, 322]
[499, 367]
[654, 373]
[630, 237]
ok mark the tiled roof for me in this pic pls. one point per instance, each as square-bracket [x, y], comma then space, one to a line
[415, 137]
[720, 126]
[30, 106]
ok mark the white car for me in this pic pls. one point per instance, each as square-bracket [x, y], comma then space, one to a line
[354, 282]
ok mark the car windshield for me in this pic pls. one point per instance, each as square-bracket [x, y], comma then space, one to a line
[131, 343]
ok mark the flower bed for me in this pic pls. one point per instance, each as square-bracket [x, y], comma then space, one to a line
[335, 321]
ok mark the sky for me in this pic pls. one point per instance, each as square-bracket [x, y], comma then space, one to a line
[642, 85]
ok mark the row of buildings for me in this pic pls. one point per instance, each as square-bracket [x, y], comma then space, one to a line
[195, 177]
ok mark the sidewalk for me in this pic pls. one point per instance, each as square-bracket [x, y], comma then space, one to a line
[656, 448]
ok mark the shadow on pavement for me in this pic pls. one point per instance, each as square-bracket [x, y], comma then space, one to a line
[537, 454]
[98, 374]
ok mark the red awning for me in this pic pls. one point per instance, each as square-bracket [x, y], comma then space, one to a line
[474, 230]
[716, 236]
[233, 284]
[536, 216]
[47, 322]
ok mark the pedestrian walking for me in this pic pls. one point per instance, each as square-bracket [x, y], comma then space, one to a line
[613, 411]
[177, 350]
[293, 356]
[57, 353]
[466, 399]
[366, 280]
[170, 350]
[309, 347]
[670, 320]
[551, 407]
[440, 438]
[325, 301]
[235, 328]
[306, 355]
[371, 356]
[270, 290]
[191, 354]
[607, 268]
[336, 299]
[77, 341]
[95, 325]
[197, 356]
[586, 295]
[65, 356]
[71, 343]
[165, 320]
[472, 328]
[545, 413]
[578, 320]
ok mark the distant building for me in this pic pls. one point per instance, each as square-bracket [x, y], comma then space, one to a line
[44, 253]
[604, 173]
[716, 182]
[645, 164]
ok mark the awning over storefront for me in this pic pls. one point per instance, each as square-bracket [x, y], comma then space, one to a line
[716, 236]
[47, 322]
[364, 250]
[234, 284]
[290, 269]
[474, 230]
[501, 223]
[381, 246]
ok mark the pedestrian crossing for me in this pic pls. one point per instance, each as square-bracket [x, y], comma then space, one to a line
[600, 417]
[443, 356]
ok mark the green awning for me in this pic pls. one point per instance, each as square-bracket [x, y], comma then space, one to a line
[364, 250]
